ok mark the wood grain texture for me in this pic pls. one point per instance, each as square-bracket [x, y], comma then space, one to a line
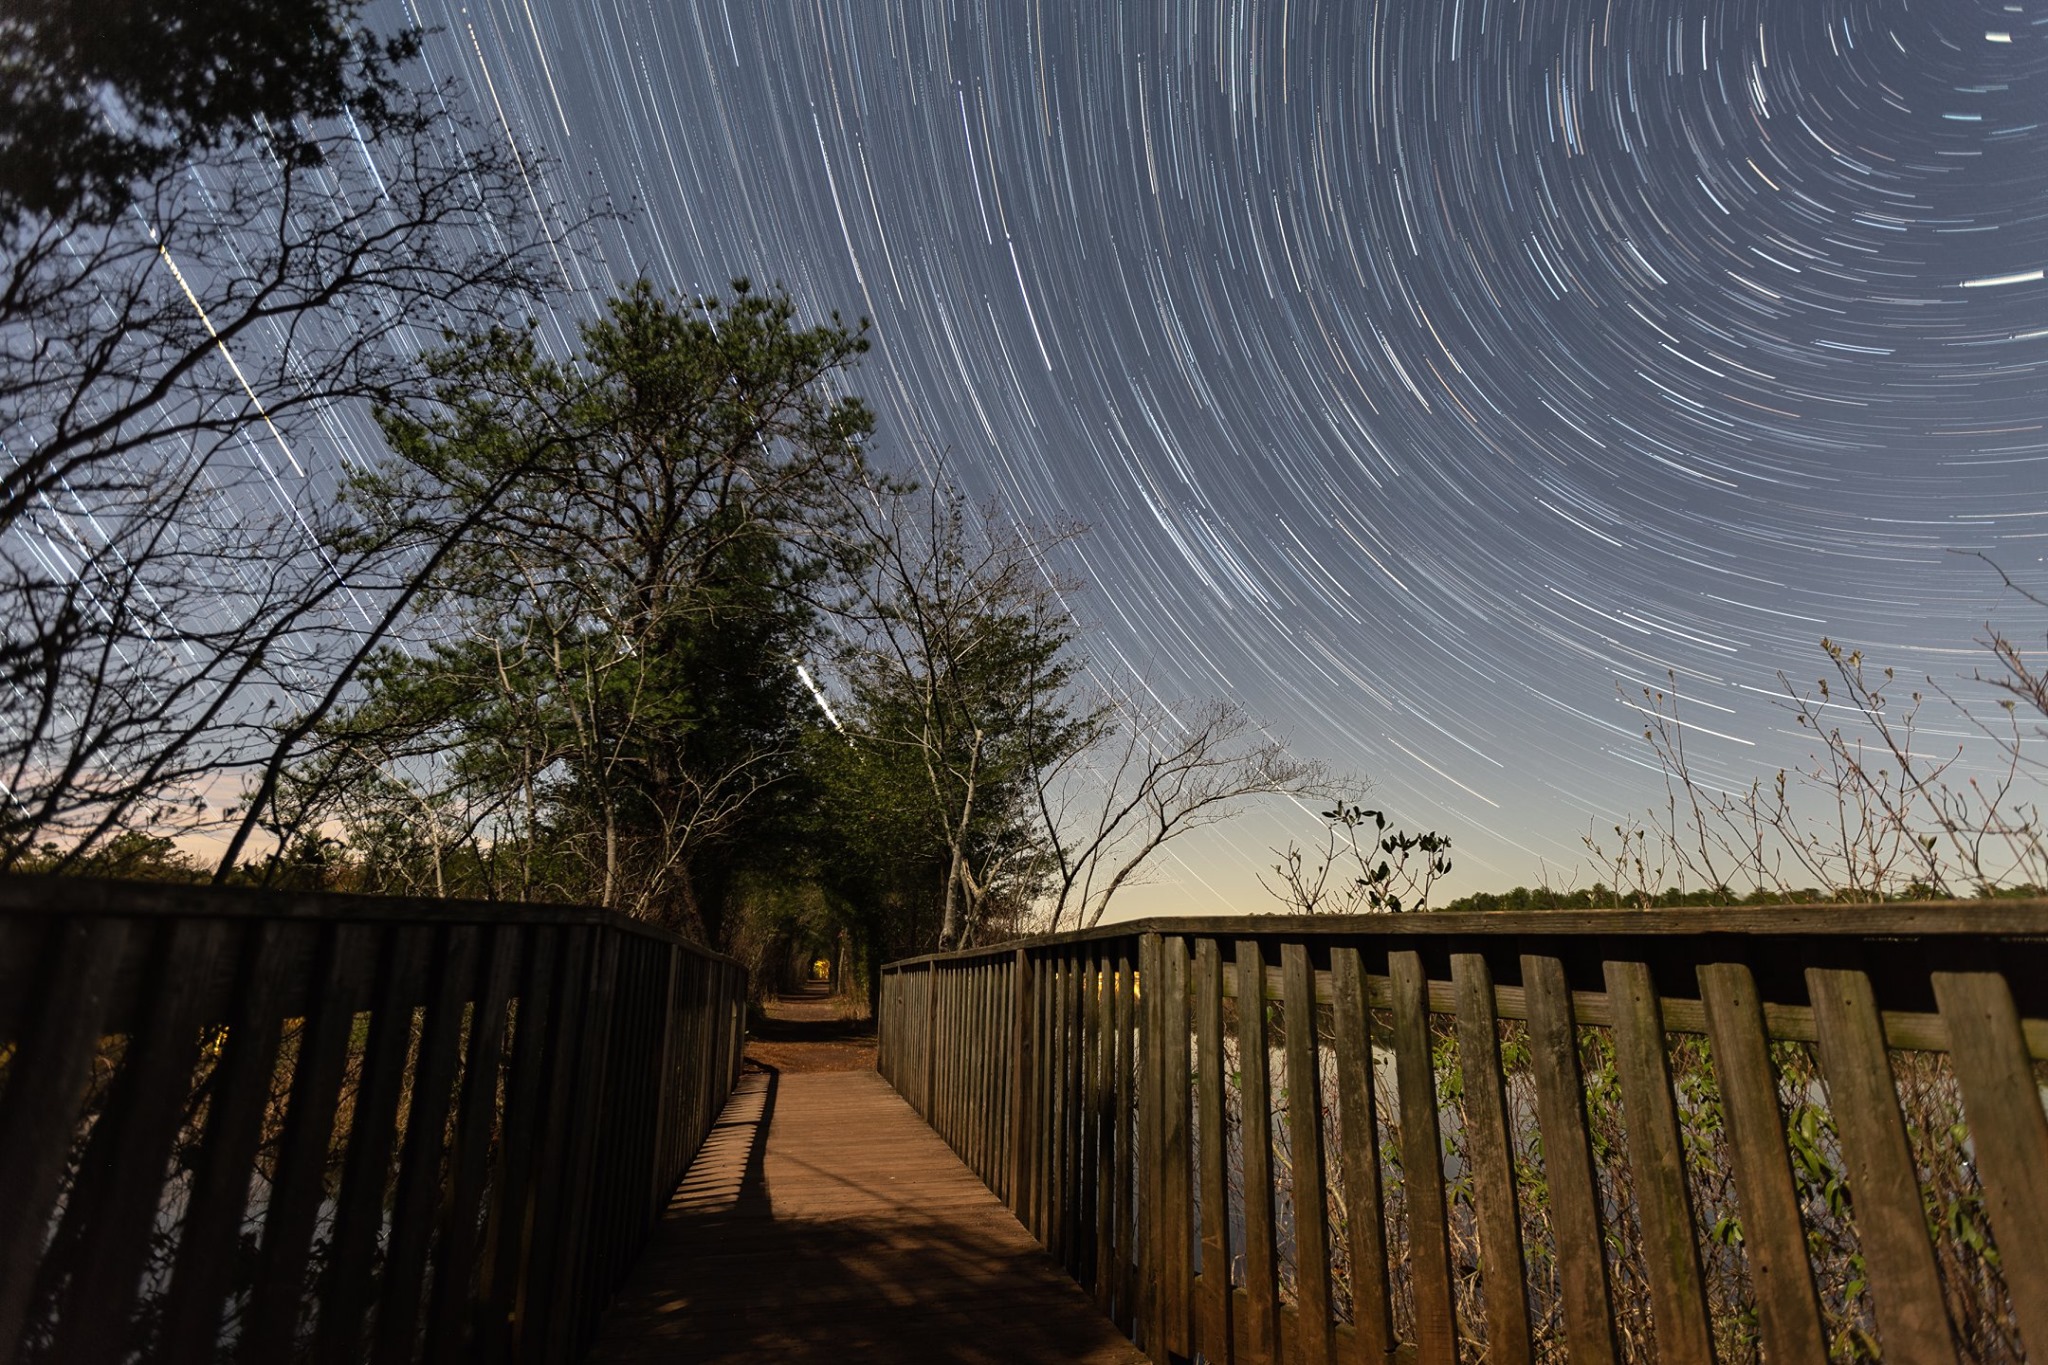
[1315, 1334]
[1102, 1189]
[1359, 1133]
[1489, 1148]
[787, 1242]
[113, 1205]
[1568, 1163]
[1261, 1273]
[1127, 1014]
[46, 1084]
[1177, 1224]
[299, 1185]
[419, 1189]
[1678, 1301]
[1214, 1313]
[2003, 1107]
[1151, 1284]
[1023, 1043]
[332, 1072]
[1774, 1239]
[2022, 919]
[1422, 1172]
[1891, 1225]
[234, 1131]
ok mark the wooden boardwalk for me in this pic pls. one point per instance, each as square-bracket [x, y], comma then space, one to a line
[823, 1221]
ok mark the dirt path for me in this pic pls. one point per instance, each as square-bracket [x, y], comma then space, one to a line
[810, 1032]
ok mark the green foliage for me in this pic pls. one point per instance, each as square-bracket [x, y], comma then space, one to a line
[132, 855]
[1377, 871]
[963, 694]
[1599, 896]
[635, 540]
[96, 95]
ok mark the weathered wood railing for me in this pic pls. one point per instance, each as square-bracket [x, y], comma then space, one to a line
[252, 1127]
[1792, 1134]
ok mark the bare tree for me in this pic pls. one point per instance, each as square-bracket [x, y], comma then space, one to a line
[1150, 777]
[1876, 812]
[963, 675]
[167, 373]
[1046, 795]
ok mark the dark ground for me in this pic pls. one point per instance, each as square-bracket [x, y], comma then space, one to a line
[810, 1031]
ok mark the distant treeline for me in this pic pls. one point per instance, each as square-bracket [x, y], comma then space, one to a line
[1599, 896]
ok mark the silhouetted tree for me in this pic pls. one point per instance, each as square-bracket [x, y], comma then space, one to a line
[221, 224]
[610, 694]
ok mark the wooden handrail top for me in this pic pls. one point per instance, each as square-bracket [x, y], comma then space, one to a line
[2014, 919]
[47, 896]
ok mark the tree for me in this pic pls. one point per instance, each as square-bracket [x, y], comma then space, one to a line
[1151, 776]
[608, 687]
[963, 685]
[97, 98]
[204, 276]
[1875, 813]
[1028, 794]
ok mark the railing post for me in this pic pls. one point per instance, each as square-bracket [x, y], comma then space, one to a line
[736, 991]
[931, 1040]
[664, 1087]
[1151, 1222]
[570, 1296]
[1021, 1043]
[1176, 1175]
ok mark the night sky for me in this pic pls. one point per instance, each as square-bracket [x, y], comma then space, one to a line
[1433, 375]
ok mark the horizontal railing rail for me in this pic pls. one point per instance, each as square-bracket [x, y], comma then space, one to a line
[1786, 1133]
[249, 1126]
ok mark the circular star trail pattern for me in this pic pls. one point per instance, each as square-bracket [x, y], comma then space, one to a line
[1433, 377]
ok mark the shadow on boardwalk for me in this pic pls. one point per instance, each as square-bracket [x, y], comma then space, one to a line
[824, 1222]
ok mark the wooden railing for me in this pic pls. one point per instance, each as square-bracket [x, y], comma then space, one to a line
[251, 1127]
[1789, 1134]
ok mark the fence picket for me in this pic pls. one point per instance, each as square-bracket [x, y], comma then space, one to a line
[1214, 1336]
[1261, 1257]
[235, 1031]
[1890, 1222]
[1422, 1172]
[1489, 1147]
[46, 1083]
[1317, 1340]
[234, 1131]
[1126, 1137]
[1151, 1148]
[418, 1192]
[113, 1205]
[476, 1121]
[1103, 1141]
[1568, 1162]
[1359, 1132]
[1657, 1162]
[1788, 1312]
[1177, 1152]
[2003, 1105]
[297, 1188]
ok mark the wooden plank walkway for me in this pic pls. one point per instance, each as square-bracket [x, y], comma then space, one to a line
[823, 1221]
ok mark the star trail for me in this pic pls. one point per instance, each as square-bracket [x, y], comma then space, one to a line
[1433, 376]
